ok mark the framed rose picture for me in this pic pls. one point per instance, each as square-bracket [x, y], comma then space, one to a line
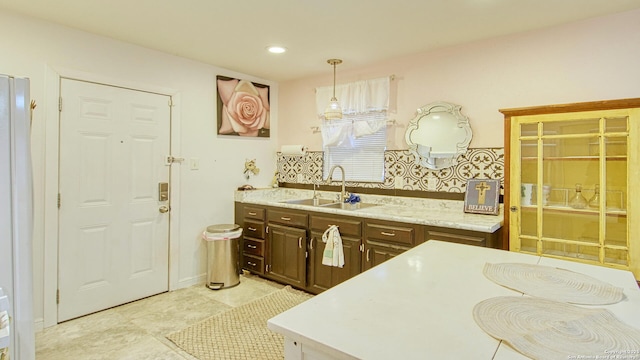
[482, 196]
[243, 107]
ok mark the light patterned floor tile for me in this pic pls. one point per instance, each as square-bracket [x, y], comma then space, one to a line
[137, 330]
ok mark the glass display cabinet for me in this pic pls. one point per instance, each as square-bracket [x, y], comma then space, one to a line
[571, 175]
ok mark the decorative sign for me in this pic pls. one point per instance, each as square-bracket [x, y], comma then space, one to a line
[482, 196]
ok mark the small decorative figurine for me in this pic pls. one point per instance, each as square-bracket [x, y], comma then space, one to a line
[250, 168]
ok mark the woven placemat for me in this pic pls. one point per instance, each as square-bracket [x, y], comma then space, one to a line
[553, 283]
[241, 332]
[546, 329]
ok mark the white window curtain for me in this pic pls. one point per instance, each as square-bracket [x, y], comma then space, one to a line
[356, 142]
[356, 98]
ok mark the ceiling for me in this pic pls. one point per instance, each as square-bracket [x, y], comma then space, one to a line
[233, 34]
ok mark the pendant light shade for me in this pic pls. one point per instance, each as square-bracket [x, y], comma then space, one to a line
[333, 110]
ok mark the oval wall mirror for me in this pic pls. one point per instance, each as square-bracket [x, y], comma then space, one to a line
[438, 135]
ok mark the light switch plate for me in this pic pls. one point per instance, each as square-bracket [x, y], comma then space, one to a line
[194, 164]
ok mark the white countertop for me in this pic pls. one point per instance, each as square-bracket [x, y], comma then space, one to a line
[419, 305]
[434, 212]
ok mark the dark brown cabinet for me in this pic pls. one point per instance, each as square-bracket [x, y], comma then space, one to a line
[286, 245]
[386, 239]
[322, 277]
[287, 260]
[253, 239]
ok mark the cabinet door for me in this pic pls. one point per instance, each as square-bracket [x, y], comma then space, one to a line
[570, 186]
[287, 254]
[322, 277]
[375, 254]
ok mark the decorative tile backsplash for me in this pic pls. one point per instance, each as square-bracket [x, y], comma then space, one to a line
[486, 163]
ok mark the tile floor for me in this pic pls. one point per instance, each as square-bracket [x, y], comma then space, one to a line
[137, 330]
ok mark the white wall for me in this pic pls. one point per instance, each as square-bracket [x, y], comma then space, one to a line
[590, 60]
[32, 48]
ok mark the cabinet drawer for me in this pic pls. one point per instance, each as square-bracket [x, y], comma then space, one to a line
[346, 226]
[253, 247]
[460, 238]
[253, 264]
[254, 229]
[390, 233]
[287, 218]
[253, 213]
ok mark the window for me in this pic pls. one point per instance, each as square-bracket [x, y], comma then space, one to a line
[356, 142]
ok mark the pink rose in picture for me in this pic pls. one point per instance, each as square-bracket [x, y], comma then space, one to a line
[245, 107]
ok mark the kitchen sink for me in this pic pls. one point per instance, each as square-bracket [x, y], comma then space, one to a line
[332, 204]
[348, 206]
[311, 202]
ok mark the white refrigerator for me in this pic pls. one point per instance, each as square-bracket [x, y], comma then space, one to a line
[17, 338]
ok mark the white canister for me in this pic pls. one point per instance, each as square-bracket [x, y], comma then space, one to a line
[526, 194]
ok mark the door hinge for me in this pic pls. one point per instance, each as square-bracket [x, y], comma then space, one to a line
[58, 296]
[306, 254]
[58, 200]
[170, 102]
[60, 103]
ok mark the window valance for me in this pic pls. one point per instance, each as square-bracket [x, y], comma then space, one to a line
[358, 97]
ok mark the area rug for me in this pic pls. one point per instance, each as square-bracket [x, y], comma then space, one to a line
[241, 332]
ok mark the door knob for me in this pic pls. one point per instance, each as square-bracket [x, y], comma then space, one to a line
[163, 209]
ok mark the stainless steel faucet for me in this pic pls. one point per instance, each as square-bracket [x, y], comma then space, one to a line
[343, 193]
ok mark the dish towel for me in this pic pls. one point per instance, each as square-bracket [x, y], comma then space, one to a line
[333, 254]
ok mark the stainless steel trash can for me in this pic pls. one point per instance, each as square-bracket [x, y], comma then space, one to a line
[222, 255]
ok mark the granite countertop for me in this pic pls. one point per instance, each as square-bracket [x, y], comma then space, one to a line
[433, 212]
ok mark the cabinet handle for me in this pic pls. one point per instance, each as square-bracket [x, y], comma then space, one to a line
[285, 218]
[387, 233]
[251, 246]
[368, 254]
[300, 242]
[513, 208]
[253, 214]
[251, 229]
[251, 263]
[361, 247]
[311, 243]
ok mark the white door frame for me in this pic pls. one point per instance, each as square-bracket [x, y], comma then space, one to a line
[51, 165]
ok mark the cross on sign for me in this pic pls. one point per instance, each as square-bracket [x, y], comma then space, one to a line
[482, 192]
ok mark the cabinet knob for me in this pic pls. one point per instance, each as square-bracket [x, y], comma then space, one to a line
[513, 208]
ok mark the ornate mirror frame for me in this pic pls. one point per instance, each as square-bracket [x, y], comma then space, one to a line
[438, 135]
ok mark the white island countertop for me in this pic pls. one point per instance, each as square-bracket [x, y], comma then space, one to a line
[433, 212]
[418, 305]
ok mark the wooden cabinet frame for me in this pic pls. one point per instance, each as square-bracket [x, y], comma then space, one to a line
[510, 116]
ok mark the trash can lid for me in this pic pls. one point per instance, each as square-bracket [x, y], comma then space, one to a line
[222, 228]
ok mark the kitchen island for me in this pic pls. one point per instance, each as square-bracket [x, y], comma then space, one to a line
[419, 304]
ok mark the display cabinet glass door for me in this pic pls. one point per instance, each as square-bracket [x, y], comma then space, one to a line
[572, 171]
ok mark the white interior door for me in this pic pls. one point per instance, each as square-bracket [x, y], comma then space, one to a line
[113, 240]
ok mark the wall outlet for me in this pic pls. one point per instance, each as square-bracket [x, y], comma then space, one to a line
[398, 182]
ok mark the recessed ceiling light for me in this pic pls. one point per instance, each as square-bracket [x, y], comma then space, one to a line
[276, 49]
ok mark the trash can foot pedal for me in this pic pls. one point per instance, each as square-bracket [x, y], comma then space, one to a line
[215, 286]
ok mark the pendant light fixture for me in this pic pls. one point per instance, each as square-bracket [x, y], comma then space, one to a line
[333, 110]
